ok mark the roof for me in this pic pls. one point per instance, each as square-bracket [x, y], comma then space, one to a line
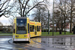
[21, 17]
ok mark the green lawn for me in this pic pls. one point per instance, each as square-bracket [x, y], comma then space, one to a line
[55, 33]
[43, 33]
[2, 34]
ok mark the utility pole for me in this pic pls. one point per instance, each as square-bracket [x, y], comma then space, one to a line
[53, 19]
[48, 21]
[39, 16]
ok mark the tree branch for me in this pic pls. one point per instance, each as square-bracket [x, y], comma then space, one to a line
[33, 7]
[1, 14]
[4, 3]
[20, 2]
[25, 6]
[20, 7]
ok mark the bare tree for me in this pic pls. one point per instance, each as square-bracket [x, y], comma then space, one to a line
[5, 7]
[25, 8]
[71, 14]
[21, 7]
[65, 12]
[61, 13]
[41, 15]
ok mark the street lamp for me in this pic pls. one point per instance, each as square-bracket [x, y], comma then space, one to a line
[48, 21]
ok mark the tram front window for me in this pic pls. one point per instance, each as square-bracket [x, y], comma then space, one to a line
[21, 26]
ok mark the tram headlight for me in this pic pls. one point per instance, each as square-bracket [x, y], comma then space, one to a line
[25, 36]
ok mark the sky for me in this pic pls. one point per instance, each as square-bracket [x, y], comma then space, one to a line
[5, 20]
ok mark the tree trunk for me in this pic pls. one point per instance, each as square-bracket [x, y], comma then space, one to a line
[65, 18]
[64, 24]
[71, 18]
[61, 26]
[56, 27]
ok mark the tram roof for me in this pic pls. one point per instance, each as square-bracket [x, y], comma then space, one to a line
[21, 17]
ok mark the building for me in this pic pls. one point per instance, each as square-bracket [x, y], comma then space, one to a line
[1, 26]
[67, 26]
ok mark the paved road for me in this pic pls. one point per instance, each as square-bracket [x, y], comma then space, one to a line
[67, 43]
[5, 36]
[35, 44]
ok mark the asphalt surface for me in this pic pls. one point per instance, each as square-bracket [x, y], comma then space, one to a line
[5, 36]
[40, 43]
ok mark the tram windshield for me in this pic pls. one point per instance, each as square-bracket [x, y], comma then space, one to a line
[21, 26]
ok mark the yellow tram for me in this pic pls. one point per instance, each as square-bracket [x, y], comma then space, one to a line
[24, 29]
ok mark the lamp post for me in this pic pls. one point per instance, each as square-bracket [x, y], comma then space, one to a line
[48, 21]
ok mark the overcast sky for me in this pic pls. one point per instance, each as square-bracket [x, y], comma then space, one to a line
[5, 20]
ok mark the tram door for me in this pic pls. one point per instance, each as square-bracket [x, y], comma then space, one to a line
[35, 30]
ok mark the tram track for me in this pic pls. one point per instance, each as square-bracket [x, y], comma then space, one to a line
[29, 47]
[17, 44]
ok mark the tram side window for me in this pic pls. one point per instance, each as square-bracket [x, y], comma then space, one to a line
[38, 28]
[31, 28]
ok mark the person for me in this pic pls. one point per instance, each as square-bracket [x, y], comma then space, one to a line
[73, 30]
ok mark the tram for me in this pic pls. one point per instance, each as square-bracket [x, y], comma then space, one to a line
[23, 29]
